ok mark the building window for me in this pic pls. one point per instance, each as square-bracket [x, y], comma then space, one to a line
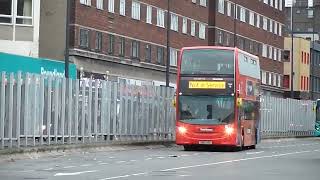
[251, 18]
[193, 28]
[98, 42]
[221, 6]
[24, 12]
[135, 10]
[270, 25]
[275, 76]
[148, 53]
[258, 21]
[275, 28]
[265, 1]
[111, 6]
[122, 7]
[270, 79]
[6, 11]
[264, 50]
[242, 14]
[184, 25]
[86, 2]
[286, 81]
[194, 1]
[275, 55]
[280, 30]
[229, 13]
[270, 52]
[279, 54]
[160, 55]
[149, 15]
[271, 3]
[280, 5]
[202, 31]
[111, 44]
[122, 46]
[286, 56]
[173, 57]
[84, 38]
[160, 18]
[100, 4]
[135, 49]
[203, 3]
[220, 37]
[174, 22]
[263, 77]
[265, 23]
[276, 3]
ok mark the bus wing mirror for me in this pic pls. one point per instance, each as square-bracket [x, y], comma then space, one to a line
[239, 102]
[314, 107]
[174, 102]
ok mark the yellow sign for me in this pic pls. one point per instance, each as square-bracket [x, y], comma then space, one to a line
[207, 85]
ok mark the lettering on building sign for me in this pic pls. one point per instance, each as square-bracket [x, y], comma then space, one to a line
[53, 73]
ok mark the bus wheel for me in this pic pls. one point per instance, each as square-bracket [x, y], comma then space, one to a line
[188, 147]
[253, 147]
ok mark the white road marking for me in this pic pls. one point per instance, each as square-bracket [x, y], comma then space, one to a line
[86, 165]
[67, 167]
[133, 160]
[211, 164]
[148, 159]
[259, 152]
[120, 161]
[75, 173]
[185, 155]
[160, 157]
[103, 163]
[48, 169]
[291, 145]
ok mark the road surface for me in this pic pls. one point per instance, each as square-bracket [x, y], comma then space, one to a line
[292, 159]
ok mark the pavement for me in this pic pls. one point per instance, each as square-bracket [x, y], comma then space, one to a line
[293, 159]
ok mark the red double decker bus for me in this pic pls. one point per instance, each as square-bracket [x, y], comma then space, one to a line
[217, 101]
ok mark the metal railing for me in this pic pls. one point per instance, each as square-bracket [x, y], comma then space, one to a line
[286, 117]
[38, 111]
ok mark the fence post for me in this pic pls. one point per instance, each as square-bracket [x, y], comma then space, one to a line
[49, 109]
[70, 109]
[89, 133]
[11, 84]
[83, 110]
[76, 114]
[63, 108]
[41, 106]
[95, 115]
[19, 82]
[2, 105]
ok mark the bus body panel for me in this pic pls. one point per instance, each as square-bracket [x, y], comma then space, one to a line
[244, 130]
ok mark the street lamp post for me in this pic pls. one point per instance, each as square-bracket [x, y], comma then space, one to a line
[66, 54]
[292, 73]
[168, 46]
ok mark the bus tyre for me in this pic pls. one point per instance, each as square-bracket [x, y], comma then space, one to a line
[187, 147]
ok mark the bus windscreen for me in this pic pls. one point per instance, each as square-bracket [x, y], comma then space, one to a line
[207, 61]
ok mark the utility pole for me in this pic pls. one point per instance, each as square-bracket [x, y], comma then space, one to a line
[168, 46]
[292, 73]
[66, 53]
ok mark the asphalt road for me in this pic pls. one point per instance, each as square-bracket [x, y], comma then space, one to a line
[292, 159]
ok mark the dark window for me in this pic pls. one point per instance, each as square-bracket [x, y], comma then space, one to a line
[98, 41]
[207, 61]
[135, 49]
[23, 11]
[84, 38]
[148, 52]
[122, 46]
[111, 44]
[286, 56]
[5, 9]
[160, 55]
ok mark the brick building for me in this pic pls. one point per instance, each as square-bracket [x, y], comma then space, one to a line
[128, 38]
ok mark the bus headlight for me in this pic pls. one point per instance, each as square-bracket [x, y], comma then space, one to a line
[182, 130]
[229, 129]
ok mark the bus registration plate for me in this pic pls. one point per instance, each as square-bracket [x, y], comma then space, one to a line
[205, 142]
[207, 85]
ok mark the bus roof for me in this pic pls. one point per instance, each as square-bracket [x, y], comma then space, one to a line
[220, 47]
